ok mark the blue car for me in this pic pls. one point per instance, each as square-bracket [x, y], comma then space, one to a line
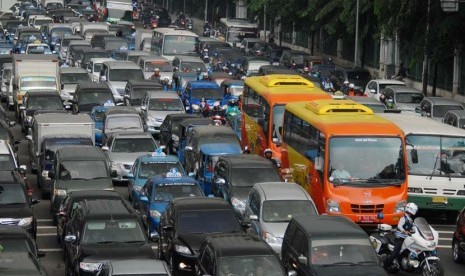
[209, 154]
[236, 124]
[160, 190]
[97, 115]
[196, 90]
[147, 166]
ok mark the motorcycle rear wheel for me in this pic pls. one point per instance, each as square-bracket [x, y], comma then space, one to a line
[436, 269]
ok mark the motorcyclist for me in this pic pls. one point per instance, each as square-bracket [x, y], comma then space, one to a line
[216, 110]
[232, 108]
[207, 29]
[345, 87]
[351, 91]
[204, 107]
[403, 230]
[199, 74]
[328, 85]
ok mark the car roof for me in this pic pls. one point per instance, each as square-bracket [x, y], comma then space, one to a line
[153, 58]
[139, 267]
[100, 60]
[209, 130]
[281, 191]
[162, 95]
[403, 88]
[93, 194]
[330, 227]
[189, 58]
[137, 53]
[442, 101]
[220, 148]
[145, 83]
[422, 125]
[106, 208]
[200, 203]
[72, 70]
[80, 153]
[159, 158]
[63, 118]
[134, 135]
[121, 64]
[247, 161]
[196, 121]
[89, 85]
[389, 81]
[121, 110]
[203, 84]
[239, 244]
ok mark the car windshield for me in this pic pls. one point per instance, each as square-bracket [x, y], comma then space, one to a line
[44, 103]
[250, 265]
[192, 66]
[116, 230]
[82, 170]
[14, 244]
[180, 45]
[126, 74]
[72, 78]
[29, 36]
[374, 160]
[405, 97]
[207, 221]
[170, 191]
[207, 93]
[36, 49]
[7, 163]
[285, 210]
[59, 32]
[28, 83]
[441, 110]
[12, 194]
[95, 97]
[42, 21]
[148, 169]
[437, 155]
[123, 123]
[166, 104]
[163, 66]
[247, 177]
[236, 90]
[377, 108]
[114, 44]
[349, 251]
[134, 145]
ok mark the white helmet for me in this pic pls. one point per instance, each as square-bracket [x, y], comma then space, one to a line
[411, 208]
[351, 85]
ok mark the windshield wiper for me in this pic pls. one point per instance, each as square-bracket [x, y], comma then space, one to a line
[434, 167]
[133, 241]
[13, 203]
[339, 263]
[104, 242]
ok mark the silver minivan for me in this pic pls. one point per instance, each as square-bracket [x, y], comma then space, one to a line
[271, 205]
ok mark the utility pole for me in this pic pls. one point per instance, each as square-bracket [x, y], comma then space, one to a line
[356, 64]
[426, 49]
[264, 22]
[206, 10]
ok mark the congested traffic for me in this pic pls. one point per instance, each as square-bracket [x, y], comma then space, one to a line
[136, 141]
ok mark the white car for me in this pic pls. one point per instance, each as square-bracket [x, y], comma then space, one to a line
[376, 87]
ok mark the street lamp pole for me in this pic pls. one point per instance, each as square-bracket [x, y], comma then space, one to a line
[206, 10]
[356, 64]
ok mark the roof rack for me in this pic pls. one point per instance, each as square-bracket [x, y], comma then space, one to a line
[328, 107]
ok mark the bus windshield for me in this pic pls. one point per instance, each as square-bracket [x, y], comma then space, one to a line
[365, 161]
[236, 34]
[179, 45]
[437, 155]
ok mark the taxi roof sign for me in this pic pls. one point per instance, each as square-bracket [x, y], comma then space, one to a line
[158, 152]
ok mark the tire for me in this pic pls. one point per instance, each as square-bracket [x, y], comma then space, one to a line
[436, 269]
[456, 252]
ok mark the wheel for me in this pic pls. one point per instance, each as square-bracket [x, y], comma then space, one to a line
[456, 254]
[436, 269]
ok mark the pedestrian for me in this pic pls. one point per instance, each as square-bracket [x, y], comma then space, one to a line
[271, 37]
[402, 73]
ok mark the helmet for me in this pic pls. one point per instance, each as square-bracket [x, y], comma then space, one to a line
[411, 208]
[267, 151]
[199, 70]
[157, 70]
[346, 82]
[305, 69]
[351, 85]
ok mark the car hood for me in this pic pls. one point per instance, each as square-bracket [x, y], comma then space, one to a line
[355, 270]
[15, 211]
[79, 185]
[240, 192]
[193, 241]
[126, 157]
[114, 251]
[69, 87]
[277, 229]
[117, 85]
[161, 115]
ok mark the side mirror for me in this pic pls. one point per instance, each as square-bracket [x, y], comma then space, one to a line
[22, 108]
[372, 91]
[11, 123]
[253, 217]
[103, 78]
[188, 148]
[51, 174]
[130, 175]
[144, 199]
[414, 156]
[70, 238]
[105, 148]
[220, 181]
[303, 260]
[153, 236]
[114, 173]
[126, 96]
[319, 164]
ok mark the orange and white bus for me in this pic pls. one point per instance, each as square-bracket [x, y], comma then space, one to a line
[263, 102]
[351, 161]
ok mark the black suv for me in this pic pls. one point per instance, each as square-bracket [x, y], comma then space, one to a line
[103, 230]
[237, 254]
[35, 101]
[184, 226]
[90, 94]
[169, 129]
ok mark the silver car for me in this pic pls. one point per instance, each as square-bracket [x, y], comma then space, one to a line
[122, 149]
[271, 205]
[156, 105]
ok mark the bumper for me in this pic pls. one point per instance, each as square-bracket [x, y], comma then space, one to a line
[438, 202]
[122, 172]
[371, 220]
[186, 262]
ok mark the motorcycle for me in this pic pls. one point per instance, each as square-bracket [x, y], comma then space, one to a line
[418, 253]
[206, 31]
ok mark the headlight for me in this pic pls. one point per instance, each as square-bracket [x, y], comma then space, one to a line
[415, 190]
[90, 266]
[182, 249]
[237, 203]
[137, 188]
[59, 192]
[174, 137]
[269, 238]
[25, 221]
[114, 165]
[155, 214]
[400, 206]
[195, 107]
[332, 206]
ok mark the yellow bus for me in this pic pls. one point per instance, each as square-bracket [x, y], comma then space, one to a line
[263, 101]
[351, 161]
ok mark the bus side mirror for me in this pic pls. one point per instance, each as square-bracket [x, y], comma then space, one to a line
[319, 164]
[414, 156]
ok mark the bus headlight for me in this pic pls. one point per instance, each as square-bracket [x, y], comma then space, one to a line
[400, 206]
[332, 206]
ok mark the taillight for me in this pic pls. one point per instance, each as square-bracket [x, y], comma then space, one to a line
[29, 192]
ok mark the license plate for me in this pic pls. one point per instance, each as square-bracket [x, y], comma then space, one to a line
[439, 199]
[367, 218]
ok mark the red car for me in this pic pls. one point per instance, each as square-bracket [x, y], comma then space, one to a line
[458, 240]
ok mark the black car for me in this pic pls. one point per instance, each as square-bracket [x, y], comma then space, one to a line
[38, 100]
[66, 209]
[358, 76]
[83, 56]
[237, 254]
[19, 254]
[97, 40]
[234, 176]
[184, 226]
[90, 94]
[168, 130]
[102, 230]
[76, 53]
[15, 203]
[458, 239]
[136, 90]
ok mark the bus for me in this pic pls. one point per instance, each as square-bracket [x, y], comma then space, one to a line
[350, 160]
[263, 101]
[113, 11]
[234, 30]
[436, 174]
[169, 42]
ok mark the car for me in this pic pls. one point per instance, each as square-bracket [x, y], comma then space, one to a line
[101, 231]
[38, 101]
[188, 64]
[180, 80]
[237, 254]
[83, 56]
[455, 118]
[271, 205]
[375, 87]
[114, 43]
[69, 78]
[328, 245]
[232, 89]
[234, 176]
[8, 160]
[169, 131]
[136, 267]
[72, 199]
[357, 76]
[123, 148]
[185, 128]
[64, 43]
[374, 104]
[95, 66]
[97, 40]
[218, 77]
[90, 94]
[135, 91]
[274, 53]
[121, 119]
[148, 64]
[294, 59]
[458, 238]
[436, 107]
[247, 45]
[404, 98]
[160, 190]
[156, 105]
[251, 65]
[196, 90]
[73, 44]
[186, 223]
[117, 73]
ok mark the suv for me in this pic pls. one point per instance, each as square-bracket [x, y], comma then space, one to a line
[436, 107]
[102, 230]
[38, 101]
[121, 119]
[375, 88]
[117, 73]
[234, 176]
[186, 223]
[247, 45]
[188, 63]
[156, 105]
[328, 245]
[294, 58]
[69, 78]
[455, 118]
[169, 128]
[90, 94]
[237, 254]
[135, 91]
